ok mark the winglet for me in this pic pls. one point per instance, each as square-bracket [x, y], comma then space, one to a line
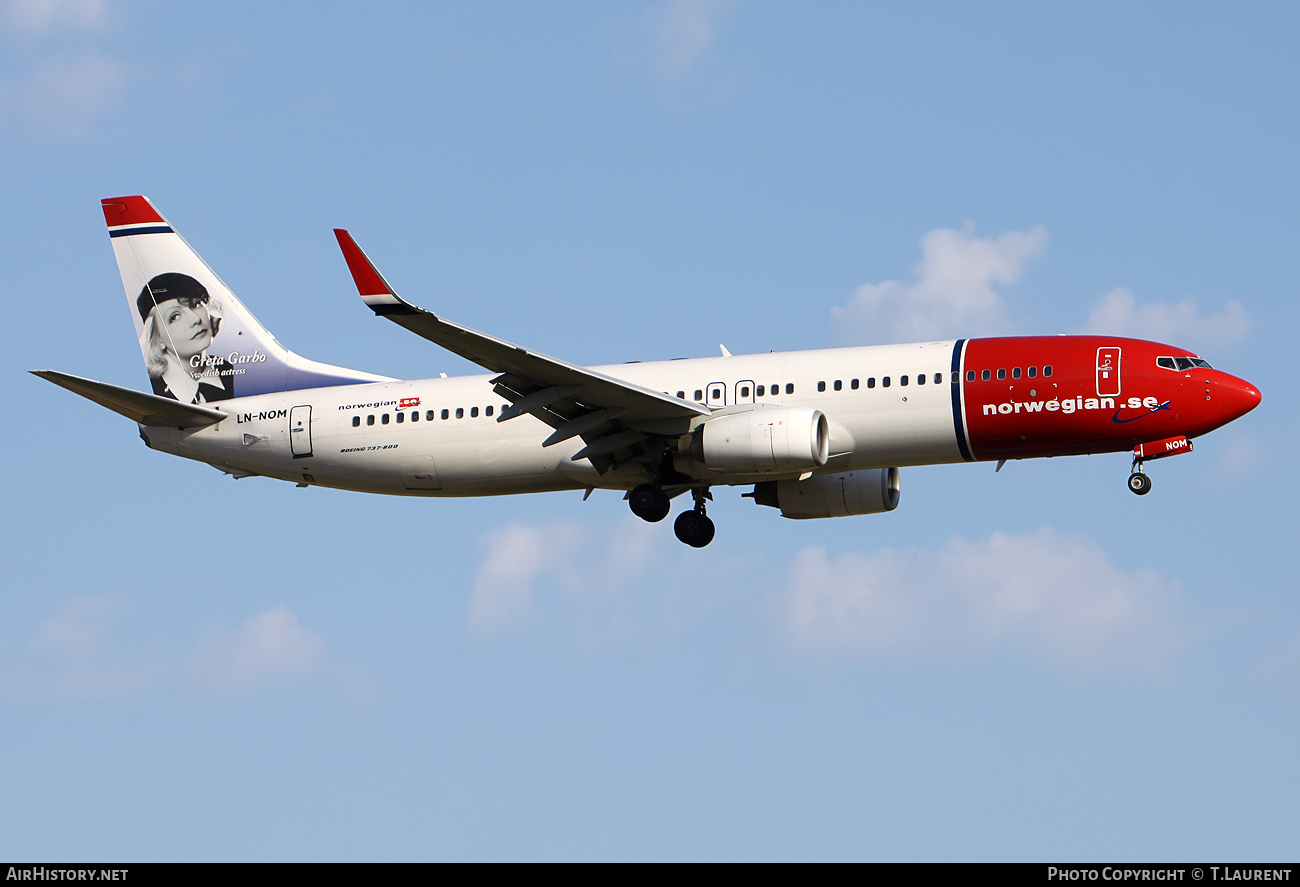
[374, 290]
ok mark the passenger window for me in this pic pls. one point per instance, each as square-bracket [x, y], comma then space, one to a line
[681, 395]
[839, 385]
[488, 410]
[370, 420]
[970, 375]
[1015, 373]
[821, 386]
[938, 378]
[1033, 371]
[871, 381]
[984, 375]
[473, 412]
[430, 415]
[758, 392]
[854, 384]
[902, 380]
[789, 388]
[717, 394]
[415, 415]
[1002, 374]
[884, 383]
[356, 421]
[460, 412]
[744, 391]
[1047, 370]
[920, 379]
[383, 420]
[446, 414]
[699, 394]
[401, 417]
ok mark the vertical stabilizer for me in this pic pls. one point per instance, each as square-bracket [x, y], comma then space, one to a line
[200, 344]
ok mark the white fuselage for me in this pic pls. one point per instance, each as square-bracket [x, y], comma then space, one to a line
[441, 437]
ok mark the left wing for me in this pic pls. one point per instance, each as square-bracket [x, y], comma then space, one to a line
[617, 420]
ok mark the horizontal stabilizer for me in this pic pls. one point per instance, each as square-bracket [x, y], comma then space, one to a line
[147, 409]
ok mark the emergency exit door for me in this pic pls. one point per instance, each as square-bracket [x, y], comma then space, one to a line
[300, 431]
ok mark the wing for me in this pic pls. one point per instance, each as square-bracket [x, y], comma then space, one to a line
[147, 409]
[617, 420]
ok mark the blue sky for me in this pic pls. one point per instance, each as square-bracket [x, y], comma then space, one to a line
[1030, 665]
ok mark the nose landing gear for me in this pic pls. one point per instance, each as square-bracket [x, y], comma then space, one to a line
[1137, 481]
[694, 527]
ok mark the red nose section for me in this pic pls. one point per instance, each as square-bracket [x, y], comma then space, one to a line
[1236, 397]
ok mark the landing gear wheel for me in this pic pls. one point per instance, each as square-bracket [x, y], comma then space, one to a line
[694, 528]
[1139, 483]
[649, 503]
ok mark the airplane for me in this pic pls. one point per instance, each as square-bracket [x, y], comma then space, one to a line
[818, 433]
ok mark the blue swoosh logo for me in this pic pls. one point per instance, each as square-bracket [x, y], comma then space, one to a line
[1118, 421]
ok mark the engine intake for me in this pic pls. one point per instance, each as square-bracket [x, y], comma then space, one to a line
[759, 440]
[832, 495]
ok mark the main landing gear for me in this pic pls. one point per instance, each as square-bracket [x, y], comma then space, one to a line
[694, 527]
[650, 503]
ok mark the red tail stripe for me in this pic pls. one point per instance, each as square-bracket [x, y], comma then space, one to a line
[133, 210]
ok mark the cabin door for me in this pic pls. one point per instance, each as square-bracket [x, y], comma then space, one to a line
[1108, 372]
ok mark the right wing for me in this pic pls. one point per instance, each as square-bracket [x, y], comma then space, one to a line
[616, 419]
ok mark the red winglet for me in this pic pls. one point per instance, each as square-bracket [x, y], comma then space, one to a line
[369, 281]
[134, 210]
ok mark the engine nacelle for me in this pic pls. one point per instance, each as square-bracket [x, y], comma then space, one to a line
[832, 495]
[759, 440]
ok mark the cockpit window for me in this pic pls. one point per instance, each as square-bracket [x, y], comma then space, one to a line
[1203, 364]
[1165, 362]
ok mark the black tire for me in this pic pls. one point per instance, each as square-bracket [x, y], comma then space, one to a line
[693, 528]
[1139, 483]
[649, 503]
[709, 530]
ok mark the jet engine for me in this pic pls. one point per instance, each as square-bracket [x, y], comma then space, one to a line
[759, 440]
[831, 495]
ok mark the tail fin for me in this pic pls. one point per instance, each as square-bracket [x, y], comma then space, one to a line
[199, 342]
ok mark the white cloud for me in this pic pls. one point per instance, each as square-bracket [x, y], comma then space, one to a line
[65, 96]
[617, 584]
[1053, 595]
[270, 647]
[77, 626]
[516, 555]
[43, 16]
[680, 32]
[70, 662]
[953, 293]
[1119, 314]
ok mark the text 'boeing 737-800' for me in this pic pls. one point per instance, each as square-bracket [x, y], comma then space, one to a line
[816, 433]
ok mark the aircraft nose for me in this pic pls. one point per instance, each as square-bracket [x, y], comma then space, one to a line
[1236, 397]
